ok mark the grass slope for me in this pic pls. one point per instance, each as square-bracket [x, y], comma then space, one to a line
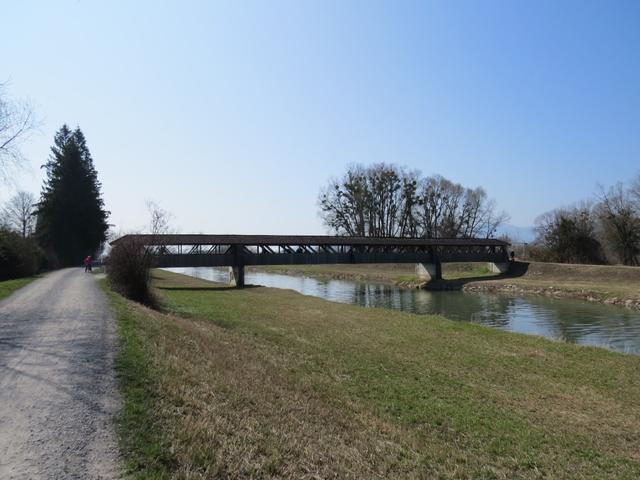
[7, 287]
[266, 383]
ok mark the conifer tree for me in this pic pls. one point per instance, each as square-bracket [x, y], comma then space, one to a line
[71, 219]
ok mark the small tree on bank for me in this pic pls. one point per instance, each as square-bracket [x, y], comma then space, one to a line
[128, 270]
[71, 219]
[130, 261]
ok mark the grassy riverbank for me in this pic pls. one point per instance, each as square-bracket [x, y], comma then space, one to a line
[392, 273]
[597, 283]
[7, 287]
[267, 383]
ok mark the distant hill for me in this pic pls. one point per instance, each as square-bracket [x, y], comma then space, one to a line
[516, 233]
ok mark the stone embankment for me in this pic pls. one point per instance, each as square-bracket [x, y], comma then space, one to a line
[609, 285]
[552, 291]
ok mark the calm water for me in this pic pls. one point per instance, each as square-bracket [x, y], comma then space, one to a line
[561, 319]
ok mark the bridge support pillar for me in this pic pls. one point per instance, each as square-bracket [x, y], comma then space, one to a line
[236, 276]
[429, 271]
[502, 267]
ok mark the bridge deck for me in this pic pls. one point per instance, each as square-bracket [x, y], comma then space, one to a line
[310, 240]
[236, 251]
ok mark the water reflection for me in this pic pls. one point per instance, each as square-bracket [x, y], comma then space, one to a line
[562, 319]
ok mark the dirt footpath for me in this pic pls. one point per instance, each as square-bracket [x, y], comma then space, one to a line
[58, 394]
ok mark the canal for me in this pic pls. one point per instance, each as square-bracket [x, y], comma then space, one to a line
[562, 319]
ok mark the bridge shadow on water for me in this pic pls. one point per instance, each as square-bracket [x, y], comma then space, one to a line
[516, 269]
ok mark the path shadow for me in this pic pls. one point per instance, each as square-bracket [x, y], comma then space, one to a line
[516, 269]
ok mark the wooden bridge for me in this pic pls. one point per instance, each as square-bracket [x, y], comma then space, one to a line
[238, 251]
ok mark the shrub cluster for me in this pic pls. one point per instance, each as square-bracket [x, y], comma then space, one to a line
[19, 256]
[606, 230]
[569, 236]
[128, 270]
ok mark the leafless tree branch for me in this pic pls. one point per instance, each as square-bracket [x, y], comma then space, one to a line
[18, 213]
[17, 122]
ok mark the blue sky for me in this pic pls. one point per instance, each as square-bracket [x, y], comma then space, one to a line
[232, 115]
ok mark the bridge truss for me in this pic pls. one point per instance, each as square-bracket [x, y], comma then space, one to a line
[238, 251]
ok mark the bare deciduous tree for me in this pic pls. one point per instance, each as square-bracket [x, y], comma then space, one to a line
[387, 201]
[18, 213]
[159, 219]
[620, 223]
[17, 122]
[344, 203]
[634, 191]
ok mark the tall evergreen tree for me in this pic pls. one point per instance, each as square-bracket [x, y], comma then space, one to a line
[71, 219]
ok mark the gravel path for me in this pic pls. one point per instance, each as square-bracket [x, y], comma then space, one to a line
[58, 394]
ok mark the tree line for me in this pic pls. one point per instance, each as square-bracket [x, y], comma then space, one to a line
[384, 200]
[68, 221]
[604, 229]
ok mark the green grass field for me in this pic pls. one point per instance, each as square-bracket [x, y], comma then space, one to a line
[267, 383]
[7, 287]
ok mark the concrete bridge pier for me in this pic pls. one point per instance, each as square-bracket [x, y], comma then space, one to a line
[429, 271]
[236, 276]
[502, 267]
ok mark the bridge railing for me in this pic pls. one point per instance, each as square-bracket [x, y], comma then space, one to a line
[241, 250]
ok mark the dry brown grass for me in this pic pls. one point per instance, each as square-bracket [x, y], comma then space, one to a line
[226, 404]
[594, 282]
[265, 383]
